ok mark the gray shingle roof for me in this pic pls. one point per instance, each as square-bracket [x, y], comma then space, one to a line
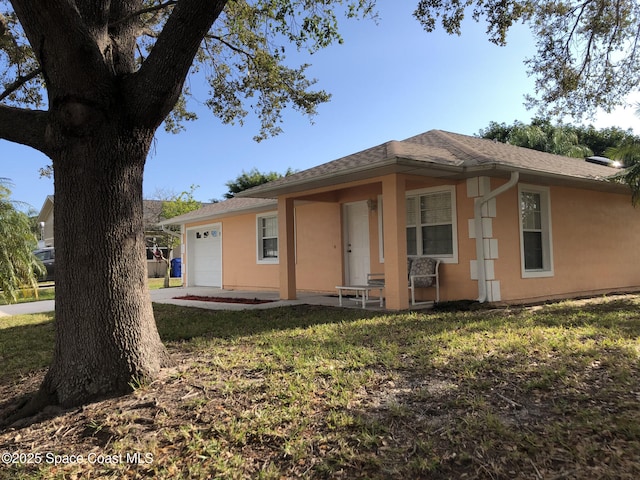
[474, 151]
[435, 152]
[439, 150]
[213, 210]
[151, 210]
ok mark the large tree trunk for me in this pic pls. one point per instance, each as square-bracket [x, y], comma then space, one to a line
[103, 108]
[106, 336]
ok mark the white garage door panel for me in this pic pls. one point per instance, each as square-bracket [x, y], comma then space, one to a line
[205, 259]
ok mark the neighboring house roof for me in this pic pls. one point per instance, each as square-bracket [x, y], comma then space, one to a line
[443, 154]
[216, 210]
[46, 208]
[152, 209]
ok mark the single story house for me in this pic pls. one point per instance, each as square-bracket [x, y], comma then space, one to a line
[509, 224]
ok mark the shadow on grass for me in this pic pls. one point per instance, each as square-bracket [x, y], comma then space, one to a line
[509, 393]
[620, 314]
[177, 323]
[26, 347]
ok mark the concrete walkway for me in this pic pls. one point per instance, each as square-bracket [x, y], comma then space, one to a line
[25, 308]
[167, 295]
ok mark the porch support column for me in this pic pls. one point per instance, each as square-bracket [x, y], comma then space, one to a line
[286, 249]
[394, 213]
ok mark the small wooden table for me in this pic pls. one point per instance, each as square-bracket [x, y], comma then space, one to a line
[363, 290]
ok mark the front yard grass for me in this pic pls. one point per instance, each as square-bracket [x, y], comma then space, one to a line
[28, 295]
[47, 290]
[318, 392]
[157, 283]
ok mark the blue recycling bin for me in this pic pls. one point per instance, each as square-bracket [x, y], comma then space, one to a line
[176, 267]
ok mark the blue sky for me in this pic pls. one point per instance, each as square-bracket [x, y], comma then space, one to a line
[389, 81]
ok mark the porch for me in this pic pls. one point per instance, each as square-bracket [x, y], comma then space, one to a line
[171, 296]
[375, 229]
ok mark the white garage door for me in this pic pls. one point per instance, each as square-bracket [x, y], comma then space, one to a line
[204, 262]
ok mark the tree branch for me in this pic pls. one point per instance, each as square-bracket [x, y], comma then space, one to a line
[229, 45]
[19, 82]
[158, 83]
[137, 13]
[64, 47]
[23, 126]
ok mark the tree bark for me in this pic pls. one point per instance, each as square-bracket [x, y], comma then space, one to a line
[106, 336]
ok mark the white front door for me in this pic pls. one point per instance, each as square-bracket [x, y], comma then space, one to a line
[204, 257]
[357, 257]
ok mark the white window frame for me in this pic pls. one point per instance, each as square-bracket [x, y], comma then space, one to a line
[545, 224]
[451, 189]
[259, 238]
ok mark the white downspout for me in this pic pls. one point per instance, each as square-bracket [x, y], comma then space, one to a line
[477, 218]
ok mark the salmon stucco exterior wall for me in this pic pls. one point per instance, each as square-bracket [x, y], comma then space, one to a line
[317, 242]
[318, 247]
[239, 265]
[594, 241]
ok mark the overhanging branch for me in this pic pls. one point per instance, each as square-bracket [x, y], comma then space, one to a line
[64, 46]
[24, 126]
[230, 45]
[19, 82]
[142, 11]
[158, 83]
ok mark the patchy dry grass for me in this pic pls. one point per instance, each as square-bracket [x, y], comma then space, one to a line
[315, 392]
[157, 283]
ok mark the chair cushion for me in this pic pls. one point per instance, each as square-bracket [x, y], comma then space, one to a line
[423, 266]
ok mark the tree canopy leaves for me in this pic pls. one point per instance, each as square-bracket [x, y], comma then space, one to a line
[243, 56]
[561, 139]
[183, 202]
[252, 178]
[587, 50]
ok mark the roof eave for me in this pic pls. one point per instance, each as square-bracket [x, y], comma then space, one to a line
[418, 167]
[380, 168]
[527, 175]
[184, 219]
[47, 206]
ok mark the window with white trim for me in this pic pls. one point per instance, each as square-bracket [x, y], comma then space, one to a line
[431, 223]
[535, 232]
[267, 229]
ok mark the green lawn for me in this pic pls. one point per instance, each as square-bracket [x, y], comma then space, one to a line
[316, 392]
[47, 291]
[44, 293]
